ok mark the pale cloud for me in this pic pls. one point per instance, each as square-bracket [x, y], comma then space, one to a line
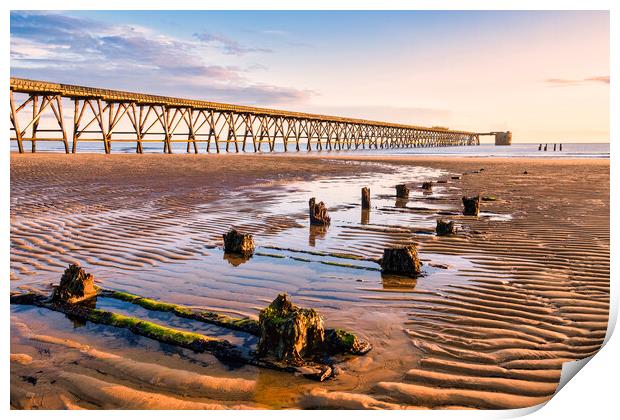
[228, 45]
[577, 82]
[277, 32]
[396, 114]
[66, 49]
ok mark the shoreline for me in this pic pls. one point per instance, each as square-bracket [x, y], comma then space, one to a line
[322, 155]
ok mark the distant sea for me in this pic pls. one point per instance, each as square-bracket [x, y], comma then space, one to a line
[591, 150]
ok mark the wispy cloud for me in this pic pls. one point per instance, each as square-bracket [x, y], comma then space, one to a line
[54, 46]
[577, 82]
[277, 32]
[228, 45]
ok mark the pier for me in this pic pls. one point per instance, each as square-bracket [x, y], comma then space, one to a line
[111, 116]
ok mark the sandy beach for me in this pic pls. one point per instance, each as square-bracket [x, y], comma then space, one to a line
[499, 307]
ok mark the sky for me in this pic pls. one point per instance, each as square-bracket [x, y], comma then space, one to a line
[544, 75]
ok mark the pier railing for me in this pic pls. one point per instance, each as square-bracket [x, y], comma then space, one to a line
[109, 116]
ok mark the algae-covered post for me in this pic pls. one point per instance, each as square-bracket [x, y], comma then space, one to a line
[402, 191]
[296, 335]
[403, 261]
[289, 333]
[471, 206]
[238, 243]
[365, 198]
[318, 213]
[76, 285]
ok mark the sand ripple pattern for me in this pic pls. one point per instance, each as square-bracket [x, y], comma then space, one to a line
[533, 294]
[538, 297]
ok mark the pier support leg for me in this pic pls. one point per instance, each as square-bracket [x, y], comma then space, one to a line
[15, 121]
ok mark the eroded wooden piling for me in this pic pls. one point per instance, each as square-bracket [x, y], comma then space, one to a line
[365, 198]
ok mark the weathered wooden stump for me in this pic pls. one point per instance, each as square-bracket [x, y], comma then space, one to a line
[318, 213]
[403, 261]
[402, 191]
[427, 186]
[365, 216]
[238, 243]
[76, 285]
[445, 227]
[289, 333]
[471, 206]
[366, 198]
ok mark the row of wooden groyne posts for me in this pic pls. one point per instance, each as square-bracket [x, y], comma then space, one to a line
[290, 338]
[110, 116]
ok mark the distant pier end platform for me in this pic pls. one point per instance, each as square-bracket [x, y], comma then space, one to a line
[110, 116]
[502, 138]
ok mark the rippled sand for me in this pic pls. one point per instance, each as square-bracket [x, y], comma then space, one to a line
[500, 307]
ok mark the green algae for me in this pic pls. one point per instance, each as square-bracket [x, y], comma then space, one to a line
[148, 329]
[266, 254]
[357, 267]
[346, 338]
[194, 341]
[300, 259]
[239, 324]
[337, 341]
[321, 254]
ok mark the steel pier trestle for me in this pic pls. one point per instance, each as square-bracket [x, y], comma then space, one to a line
[109, 116]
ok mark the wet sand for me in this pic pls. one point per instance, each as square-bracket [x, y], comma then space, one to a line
[521, 289]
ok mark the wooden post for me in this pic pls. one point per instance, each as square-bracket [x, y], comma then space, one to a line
[272, 140]
[251, 119]
[166, 117]
[15, 121]
[191, 131]
[216, 135]
[61, 122]
[233, 124]
[136, 120]
[76, 123]
[35, 124]
[366, 198]
[228, 121]
[99, 116]
[108, 135]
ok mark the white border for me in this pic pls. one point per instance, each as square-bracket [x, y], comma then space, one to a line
[591, 396]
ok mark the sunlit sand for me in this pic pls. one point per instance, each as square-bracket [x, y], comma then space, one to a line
[498, 308]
